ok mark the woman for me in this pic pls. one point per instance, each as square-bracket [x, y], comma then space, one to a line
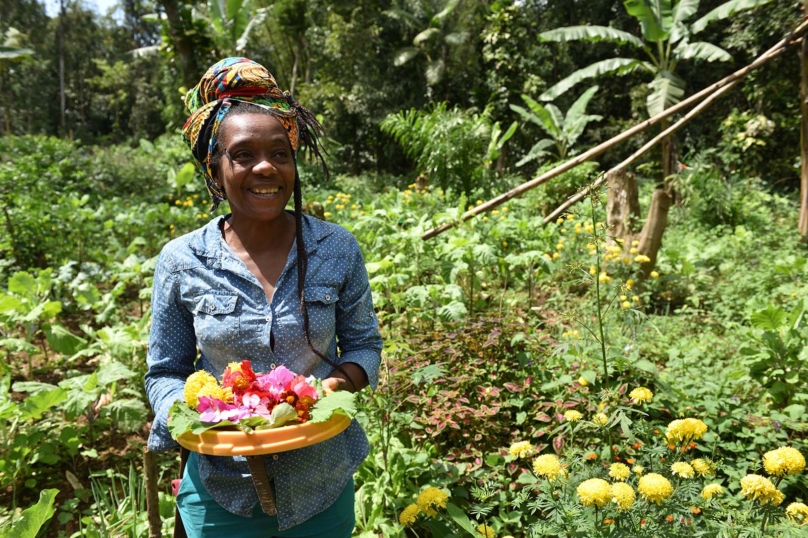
[267, 285]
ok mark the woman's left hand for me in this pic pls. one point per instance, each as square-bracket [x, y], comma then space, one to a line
[336, 381]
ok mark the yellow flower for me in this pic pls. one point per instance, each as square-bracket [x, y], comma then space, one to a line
[702, 466]
[638, 470]
[633, 250]
[486, 531]
[408, 515]
[573, 416]
[655, 487]
[635, 243]
[215, 391]
[642, 258]
[594, 491]
[625, 304]
[600, 419]
[641, 395]
[711, 490]
[760, 488]
[629, 283]
[570, 217]
[622, 495]
[560, 220]
[603, 277]
[798, 513]
[504, 243]
[431, 498]
[194, 384]
[619, 471]
[547, 465]
[522, 449]
[654, 274]
[582, 381]
[783, 461]
[682, 469]
[327, 214]
[685, 430]
[556, 255]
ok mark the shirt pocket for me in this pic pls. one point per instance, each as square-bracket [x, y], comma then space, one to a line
[216, 321]
[321, 306]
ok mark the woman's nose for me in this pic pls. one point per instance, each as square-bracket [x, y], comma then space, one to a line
[264, 167]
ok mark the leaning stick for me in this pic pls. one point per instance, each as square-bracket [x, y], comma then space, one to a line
[637, 154]
[597, 150]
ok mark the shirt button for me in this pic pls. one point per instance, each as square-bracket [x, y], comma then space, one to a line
[268, 318]
[274, 456]
[327, 297]
[272, 367]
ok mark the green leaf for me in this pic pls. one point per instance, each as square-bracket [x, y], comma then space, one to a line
[461, 519]
[590, 376]
[185, 175]
[341, 402]
[282, 414]
[591, 33]
[646, 366]
[684, 9]
[22, 283]
[770, 319]
[701, 50]
[128, 414]
[9, 303]
[62, 340]
[113, 371]
[725, 10]
[425, 36]
[668, 90]
[447, 10]
[538, 150]
[181, 419]
[655, 17]
[546, 120]
[35, 406]
[404, 55]
[32, 519]
[578, 108]
[612, 66]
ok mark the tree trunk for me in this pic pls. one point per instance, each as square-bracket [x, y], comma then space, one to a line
[622, 205]
[62, 100]
[803, 54]
[655, 224]
[182, 44]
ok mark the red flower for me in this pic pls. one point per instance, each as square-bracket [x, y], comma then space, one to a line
[238, 376]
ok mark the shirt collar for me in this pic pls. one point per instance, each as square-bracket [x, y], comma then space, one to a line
[207, 242]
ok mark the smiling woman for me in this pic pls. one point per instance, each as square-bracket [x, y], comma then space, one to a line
[242, 287]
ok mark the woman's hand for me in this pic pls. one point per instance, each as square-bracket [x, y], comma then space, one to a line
[337, 381]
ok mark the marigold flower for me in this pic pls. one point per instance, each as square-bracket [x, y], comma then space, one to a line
[682, 469]
[608, 521]
[686, 430]
[711, 490]
[582, 381]
[654, 274]
[215, 391]
[572, 415]
[592, 456]
[760, 488]
[619, 471]
[642, 258]
[522, 449]
[600, 419]
[798, 513]
[195, 382]
[430, 499]
[594, 491]
[655, 487]
[783, 461]
[703, 467]
[641, 395]
[409, 515]
[695, 510]
[622, 495]
[548, 466]
[638, 470]
[625, 304]
[486, 531]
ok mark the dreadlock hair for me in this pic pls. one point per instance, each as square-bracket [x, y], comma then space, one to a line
[309, 131]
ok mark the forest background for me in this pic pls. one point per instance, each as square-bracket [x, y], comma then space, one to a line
[496, 330]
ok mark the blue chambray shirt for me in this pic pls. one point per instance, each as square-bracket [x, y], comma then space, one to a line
[205, 297]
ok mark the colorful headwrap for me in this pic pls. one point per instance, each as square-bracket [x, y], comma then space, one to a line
[240, 80]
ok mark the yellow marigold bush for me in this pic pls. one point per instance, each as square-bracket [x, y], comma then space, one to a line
[522, 449]
[702, 466]
[682, 469]
[685, 430]
[641, 395]
[573, 416]
[619, 471]
[760, 488]
[409, 515]
[711, 490]
[798, 513]
[430, 499]
[622, 495]
[548, 466]
[783, 461]
[600, 419]
[655, 487]
[594, 491]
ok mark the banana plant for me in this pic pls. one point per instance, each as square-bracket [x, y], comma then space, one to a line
[563, 129]
[666, 41]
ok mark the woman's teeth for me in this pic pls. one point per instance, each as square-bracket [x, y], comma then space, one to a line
[273, 190]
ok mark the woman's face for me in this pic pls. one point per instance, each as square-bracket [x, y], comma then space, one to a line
[257, 170]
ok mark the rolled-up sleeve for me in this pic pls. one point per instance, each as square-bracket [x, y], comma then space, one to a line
[357, 328]
[172, 351]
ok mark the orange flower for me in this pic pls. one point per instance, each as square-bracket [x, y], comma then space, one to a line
[636, 446]
[591, 456]
[695, 510]
[608, 521]
[630, 461]
[669, 519]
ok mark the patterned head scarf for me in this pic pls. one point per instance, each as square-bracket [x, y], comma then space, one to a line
[234, 81]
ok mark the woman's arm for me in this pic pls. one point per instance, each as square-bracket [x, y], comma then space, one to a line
[172, 350]
[358, 338]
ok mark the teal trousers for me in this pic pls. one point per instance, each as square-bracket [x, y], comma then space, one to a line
[204, 518]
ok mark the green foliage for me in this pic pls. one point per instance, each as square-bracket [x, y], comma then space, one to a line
[33, 518]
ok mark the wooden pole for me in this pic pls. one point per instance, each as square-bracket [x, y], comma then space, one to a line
[767, 56]
[152, 496]
[803, 55]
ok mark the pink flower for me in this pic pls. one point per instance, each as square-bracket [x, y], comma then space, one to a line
[255, 405]
[301, 386]
[276, 380]
[213, 410]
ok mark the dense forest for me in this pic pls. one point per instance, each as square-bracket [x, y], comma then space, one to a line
[616, 349]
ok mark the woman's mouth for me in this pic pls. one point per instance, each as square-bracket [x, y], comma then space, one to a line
[265, 192]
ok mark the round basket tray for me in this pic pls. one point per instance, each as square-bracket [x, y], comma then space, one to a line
[259, 442]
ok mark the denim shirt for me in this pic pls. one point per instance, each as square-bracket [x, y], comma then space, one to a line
[205, 297]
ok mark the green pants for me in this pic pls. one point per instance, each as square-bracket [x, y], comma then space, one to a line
[204, 518]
